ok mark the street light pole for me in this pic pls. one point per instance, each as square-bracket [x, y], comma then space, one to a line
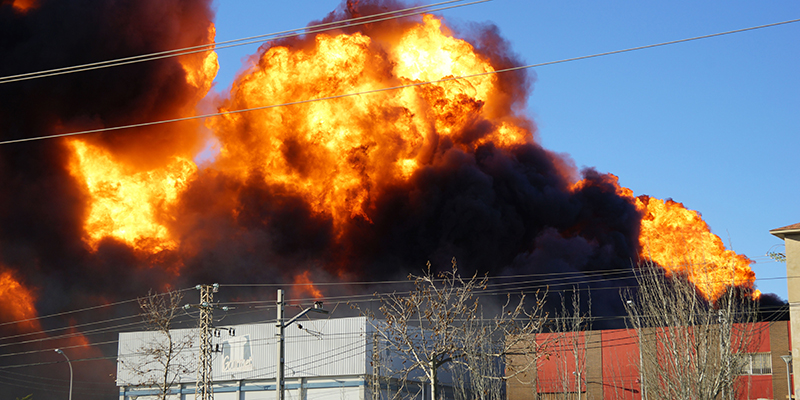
[787, 359]
[280, 327]
[59, 351]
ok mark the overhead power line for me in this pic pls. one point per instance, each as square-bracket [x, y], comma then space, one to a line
[411, 85]
[369, 19]
[550, 280]
[254, 306]
[332, 353]
[79, 310]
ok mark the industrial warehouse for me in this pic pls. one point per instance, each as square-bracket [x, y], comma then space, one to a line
[338, 358]
[348, 358]
[341, 358]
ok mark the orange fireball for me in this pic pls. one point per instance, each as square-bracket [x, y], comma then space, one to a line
[339, 155]
[678, 240]
[334, 153]
[128, 205]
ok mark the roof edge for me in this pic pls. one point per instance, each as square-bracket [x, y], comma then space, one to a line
[786, 230]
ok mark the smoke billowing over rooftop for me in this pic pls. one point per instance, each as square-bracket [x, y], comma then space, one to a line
[356, 188]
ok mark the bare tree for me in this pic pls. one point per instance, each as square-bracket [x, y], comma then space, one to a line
[690, 347]
[570, 342]
[483, 360]
[440, 321]
[165, 356]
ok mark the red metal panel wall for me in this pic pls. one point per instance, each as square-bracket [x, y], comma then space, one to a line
[556, 370]
[755, 387]
[620, 357]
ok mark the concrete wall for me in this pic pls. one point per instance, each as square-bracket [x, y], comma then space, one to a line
[791, 238]
[792, 242]
[594, 370]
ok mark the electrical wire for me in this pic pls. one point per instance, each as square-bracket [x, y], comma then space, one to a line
[525, 287]
[312, 29]
[553, 275]
[352, 299]
[267, 341]
[39, 332]
[92, 308]
[392, 88]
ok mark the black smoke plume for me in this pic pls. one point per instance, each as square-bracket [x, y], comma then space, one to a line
[502, 212]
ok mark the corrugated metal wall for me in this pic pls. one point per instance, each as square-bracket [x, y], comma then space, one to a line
[327, 347]
[135, 366]
[325, 358]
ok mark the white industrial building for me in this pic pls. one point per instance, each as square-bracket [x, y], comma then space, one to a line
[324, 359]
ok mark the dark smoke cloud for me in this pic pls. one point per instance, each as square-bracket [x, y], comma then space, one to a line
[497, 211]
[41, 206]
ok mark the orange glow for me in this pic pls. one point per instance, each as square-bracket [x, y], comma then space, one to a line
[128, 205]
[306, 286]
[679, 240]
[18, 302]
[201, 68]
[76, 338]
[74, 343]
[337, 153]
[340, 154]
[24, 6]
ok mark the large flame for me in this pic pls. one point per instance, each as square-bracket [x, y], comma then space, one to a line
[335, 153]
[18, 302]
[128, 205]
[134, 205]
[678, 240]
[201, 68]
[365, 185]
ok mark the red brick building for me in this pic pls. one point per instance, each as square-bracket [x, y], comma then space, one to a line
[606, 366]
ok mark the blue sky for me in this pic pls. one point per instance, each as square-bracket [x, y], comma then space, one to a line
[714, 124]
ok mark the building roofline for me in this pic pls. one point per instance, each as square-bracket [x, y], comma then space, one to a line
[786, 230]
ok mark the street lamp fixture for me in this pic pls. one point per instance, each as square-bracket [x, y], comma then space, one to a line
[59, 351]
[787, 359]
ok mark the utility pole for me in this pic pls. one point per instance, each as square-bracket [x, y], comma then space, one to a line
[204, 389]
[279, 327]
[376, 371]
[279, 333]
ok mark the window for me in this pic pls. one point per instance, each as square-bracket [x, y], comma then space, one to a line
[756, 364]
